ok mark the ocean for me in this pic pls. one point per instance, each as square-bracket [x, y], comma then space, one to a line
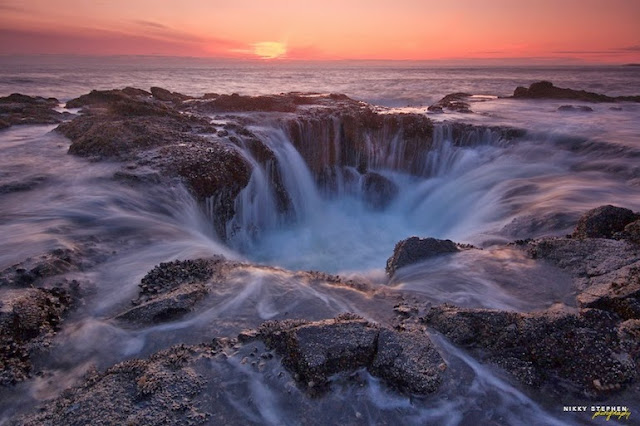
[487, 192]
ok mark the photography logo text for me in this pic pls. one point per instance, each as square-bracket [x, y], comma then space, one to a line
[608, 412]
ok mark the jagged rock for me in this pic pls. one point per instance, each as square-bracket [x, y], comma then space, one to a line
[565, 352]
[165, 95]
[632, 231]
[165, 307]
[416, 249]
[546, 90]
[454, 102]
[317, 350]
[127, 125]
[604, 222]
[215, 173]
[171, 290]
[103, 98]
[28, 320]
[23, 109]
[378, 191]
[572, 108]
[160, 390]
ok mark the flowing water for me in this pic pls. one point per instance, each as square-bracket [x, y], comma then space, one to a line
[485, 190]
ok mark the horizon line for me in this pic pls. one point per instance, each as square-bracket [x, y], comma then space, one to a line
[522, 61]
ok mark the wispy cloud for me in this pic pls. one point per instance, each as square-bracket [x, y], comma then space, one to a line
[150, 24]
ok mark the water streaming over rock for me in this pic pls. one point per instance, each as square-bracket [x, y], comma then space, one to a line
[333, 195]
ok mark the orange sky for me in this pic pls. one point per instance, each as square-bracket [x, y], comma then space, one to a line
[561, 30]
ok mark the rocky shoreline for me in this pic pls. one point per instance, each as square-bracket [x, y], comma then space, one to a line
[587, 351]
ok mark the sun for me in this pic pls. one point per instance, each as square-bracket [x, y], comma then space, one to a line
[269, 49]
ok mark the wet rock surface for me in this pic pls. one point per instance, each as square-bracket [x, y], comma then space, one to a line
[160, 390]
[378, 191]
[546, 90]
[416, 249]
[314, 351]
[171, 290]
[577, 353]
[32, 271]
[457, 102]
[573, 108]
[18, 109]
[29, 319]
[604, 222]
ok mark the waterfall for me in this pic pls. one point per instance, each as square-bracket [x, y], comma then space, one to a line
[348, 215]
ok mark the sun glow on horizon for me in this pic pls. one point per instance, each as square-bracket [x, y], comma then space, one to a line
[269, 49]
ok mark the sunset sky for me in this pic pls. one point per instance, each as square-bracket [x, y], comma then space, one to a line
[605, 31]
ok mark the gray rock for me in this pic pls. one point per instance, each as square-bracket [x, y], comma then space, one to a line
[565, 352]
[408, 361]
[317, 350]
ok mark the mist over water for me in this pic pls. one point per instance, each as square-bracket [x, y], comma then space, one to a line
[486, 192]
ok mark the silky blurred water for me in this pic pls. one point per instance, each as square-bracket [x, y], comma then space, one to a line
[565, 164]
[383, 83]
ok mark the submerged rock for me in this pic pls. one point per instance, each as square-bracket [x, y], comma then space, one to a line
[572, 108]
[32, 271]
[604, 222]
[378, 191]
[546, 90]
[314, 351]
[416, 249]
[580, 353]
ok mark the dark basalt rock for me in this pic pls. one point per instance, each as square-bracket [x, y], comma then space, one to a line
[129, 125]
[378, 191]
[416, 249]
[162, 389]
[165, 95]
[103, 98]
[22, 109]
[454, 102]
[604, 222]
[546, 90]
[314, 351]
[28, 320]
[632, 231]
[576, 353]
[408, 361]
[239, 103]
[171, 290]
[572, 108]
[214, 172]
[33, 271]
